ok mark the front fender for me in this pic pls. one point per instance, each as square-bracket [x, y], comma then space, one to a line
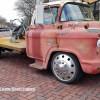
[54, 50]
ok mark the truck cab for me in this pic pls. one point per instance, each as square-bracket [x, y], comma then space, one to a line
[66, 38]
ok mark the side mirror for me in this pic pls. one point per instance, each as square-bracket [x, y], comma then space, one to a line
[39, 14]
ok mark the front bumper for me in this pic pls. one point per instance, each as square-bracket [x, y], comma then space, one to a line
[91, 66]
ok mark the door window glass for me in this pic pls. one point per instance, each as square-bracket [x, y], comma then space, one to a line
[50, 15]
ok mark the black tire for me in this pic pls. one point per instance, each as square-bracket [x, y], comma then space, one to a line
[0, 51]
[66, 67]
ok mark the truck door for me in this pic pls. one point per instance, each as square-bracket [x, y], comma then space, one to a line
[44, 37]
[51, 31]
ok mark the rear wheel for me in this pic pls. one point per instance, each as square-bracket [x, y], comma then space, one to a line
[0, 51]
[66, 67]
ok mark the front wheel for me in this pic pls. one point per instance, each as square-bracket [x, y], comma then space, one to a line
[66, 67]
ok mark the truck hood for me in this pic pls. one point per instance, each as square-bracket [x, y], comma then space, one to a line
[78, 27]
[94, 27]
[92, 24]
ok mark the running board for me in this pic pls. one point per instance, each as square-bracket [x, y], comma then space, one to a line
[37, 66]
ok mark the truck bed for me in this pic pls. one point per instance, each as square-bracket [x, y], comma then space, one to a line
[21, 46]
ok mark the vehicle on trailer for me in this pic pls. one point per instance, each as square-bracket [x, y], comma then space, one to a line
[16, 41]
[18, 31]
[64, 36]
[13, 27]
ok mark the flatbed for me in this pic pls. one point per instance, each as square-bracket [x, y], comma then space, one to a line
[20, 46]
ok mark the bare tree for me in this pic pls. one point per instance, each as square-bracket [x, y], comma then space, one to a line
[2, 21]
[25, 9]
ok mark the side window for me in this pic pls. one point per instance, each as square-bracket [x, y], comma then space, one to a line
[48, 18]
[55, 14]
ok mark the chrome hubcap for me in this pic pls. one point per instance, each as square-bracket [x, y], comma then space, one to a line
[64, 67]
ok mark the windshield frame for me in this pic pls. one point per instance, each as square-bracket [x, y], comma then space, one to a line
[76, 3]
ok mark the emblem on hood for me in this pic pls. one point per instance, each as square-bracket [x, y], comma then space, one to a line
[50, 42]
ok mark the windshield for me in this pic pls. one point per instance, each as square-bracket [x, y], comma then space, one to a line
[72, 12]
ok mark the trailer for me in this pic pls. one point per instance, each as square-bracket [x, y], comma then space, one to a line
[5, 44]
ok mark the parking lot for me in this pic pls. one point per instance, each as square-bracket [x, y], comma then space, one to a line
[15, 72]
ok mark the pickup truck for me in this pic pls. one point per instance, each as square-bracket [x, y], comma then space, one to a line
[68, 41]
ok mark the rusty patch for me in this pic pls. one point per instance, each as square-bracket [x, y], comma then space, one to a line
[64, 32]
[82, 47]
[93, 31]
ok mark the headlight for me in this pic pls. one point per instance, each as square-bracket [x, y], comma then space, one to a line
[98, 43]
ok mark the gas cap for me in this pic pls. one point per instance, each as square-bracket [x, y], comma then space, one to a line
[98, 43]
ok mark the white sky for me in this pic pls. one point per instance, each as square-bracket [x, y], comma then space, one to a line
[7, 9]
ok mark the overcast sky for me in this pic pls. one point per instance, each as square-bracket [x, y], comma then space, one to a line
[7, 9]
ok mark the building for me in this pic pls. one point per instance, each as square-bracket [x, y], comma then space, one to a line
[95, 8]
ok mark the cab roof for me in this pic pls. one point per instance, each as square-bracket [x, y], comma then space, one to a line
[62, 2]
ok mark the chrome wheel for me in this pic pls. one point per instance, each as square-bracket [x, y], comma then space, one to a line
[66, 67]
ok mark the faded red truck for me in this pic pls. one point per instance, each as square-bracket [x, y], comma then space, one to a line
[68, 40]
[64, 37]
